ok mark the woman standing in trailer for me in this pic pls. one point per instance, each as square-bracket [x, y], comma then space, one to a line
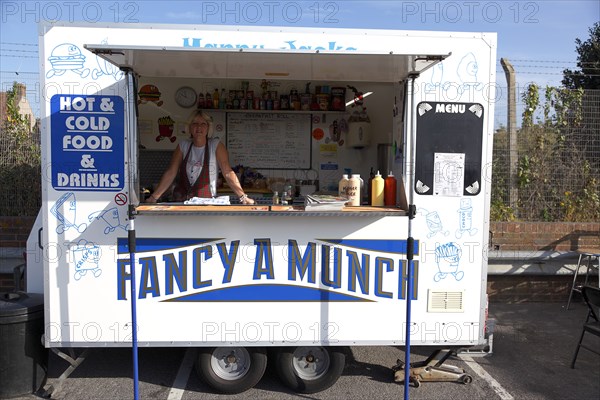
[195, 163]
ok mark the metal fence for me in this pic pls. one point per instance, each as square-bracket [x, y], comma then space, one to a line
[20, 175]
[558, 169]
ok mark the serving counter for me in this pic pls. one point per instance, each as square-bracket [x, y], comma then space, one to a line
[267, 210]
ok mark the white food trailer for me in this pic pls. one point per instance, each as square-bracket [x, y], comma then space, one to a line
[234, 280]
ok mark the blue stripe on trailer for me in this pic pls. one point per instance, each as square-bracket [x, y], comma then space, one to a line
[268, 292]
[158, 244]
[383, 245]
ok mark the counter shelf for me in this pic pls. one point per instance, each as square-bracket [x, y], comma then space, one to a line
[265, 210]
[253, 111]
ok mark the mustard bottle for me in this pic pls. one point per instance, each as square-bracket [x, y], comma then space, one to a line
[377, 190]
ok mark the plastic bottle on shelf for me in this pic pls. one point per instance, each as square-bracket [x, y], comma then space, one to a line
[275, 198]
[377, 191]
[289, 194]
[389, 195]
[354, 184]
[343, 186]
[286, 195]
[208, 103]
[222, 99]
[215, 98]
[200, 100]
[369, 197]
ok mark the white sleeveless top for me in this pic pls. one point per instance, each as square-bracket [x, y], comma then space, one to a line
[196, 161]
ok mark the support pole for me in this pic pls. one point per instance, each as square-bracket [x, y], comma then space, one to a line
[131, 140]
[511, 130]
[134, 340]
[410, 240]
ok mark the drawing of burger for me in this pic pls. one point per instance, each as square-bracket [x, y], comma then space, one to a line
[149, 93]
[67, 57]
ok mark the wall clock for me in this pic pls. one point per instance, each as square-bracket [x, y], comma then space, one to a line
[185, 97]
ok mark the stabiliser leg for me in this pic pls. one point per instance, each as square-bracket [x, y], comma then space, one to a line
[74, 362]
[432, 370]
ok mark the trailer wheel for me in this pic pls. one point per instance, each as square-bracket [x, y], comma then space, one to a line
[231, 369]
[467, 379]
[307, 369]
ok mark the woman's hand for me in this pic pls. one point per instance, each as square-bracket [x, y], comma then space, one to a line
[151, 199]
[244, 199]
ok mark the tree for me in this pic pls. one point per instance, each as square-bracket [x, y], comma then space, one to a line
[15, 127]
[588, 60]
[19, 162]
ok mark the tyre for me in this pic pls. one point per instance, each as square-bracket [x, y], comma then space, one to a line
[309, 369]
[231, 369]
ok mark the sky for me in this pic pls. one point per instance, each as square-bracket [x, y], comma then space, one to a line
[537, 37]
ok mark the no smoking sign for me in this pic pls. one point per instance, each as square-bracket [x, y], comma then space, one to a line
[121, 199]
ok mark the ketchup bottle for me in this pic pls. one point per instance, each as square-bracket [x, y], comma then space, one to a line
[389, 191]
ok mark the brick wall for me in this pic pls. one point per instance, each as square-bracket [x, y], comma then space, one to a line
[6, 283]
[530, 288]
[540, 236]
[15, 230]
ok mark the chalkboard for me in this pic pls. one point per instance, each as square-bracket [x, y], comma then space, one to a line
[269, 140]
[448, 145]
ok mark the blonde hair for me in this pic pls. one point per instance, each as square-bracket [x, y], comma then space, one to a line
[205, 116]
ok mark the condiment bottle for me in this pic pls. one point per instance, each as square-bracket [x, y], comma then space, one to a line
[377, 191]
[215, 98]
[354, 190]
[389, 195]
[343, 186]
[275, 198]
[369, 198]
[222, 99]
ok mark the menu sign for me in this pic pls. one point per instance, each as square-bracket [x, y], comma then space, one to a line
[269, 140]
[87, 143]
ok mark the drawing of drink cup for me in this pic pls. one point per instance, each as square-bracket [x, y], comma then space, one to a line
[447, 257]
[86, 257]
[434, 223]
[65, 210]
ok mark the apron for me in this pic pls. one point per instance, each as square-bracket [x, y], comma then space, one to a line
[201, 188]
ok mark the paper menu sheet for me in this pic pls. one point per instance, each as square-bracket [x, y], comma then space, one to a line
[448, 174]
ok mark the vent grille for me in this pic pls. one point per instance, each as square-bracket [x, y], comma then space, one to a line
[440, 301]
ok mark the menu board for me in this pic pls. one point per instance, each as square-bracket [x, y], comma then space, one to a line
[449, 149]
[269, 140]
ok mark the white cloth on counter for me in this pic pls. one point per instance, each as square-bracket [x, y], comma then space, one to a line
[221, 200]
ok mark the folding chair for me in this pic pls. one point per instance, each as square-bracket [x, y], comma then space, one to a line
[590, 255]
[591, 296]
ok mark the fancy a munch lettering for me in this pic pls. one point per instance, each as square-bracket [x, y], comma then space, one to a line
[345, 270]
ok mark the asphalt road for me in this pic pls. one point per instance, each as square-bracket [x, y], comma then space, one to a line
[532, 348]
